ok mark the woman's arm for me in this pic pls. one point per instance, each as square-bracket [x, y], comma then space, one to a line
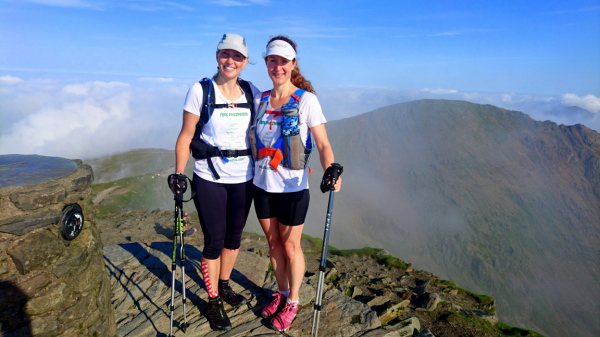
[182, 147]
[319, 134]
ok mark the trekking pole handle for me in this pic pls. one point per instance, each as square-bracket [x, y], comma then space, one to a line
[330, 177]
[178, 184]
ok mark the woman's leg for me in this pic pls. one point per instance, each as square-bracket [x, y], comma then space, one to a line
[212, 215]
[291, 237]
[276, 252]
[228, 258]
[210, 273]
[239, 200]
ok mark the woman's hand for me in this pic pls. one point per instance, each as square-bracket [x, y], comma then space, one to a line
[338, 184]
[186, 231]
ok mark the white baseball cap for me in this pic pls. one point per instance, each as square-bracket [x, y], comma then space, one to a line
[281, 48]
[234, 42]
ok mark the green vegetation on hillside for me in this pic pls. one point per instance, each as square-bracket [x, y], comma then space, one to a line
[483, 299]
[499, 329]
[131, 163]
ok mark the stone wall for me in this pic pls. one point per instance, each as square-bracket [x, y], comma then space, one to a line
[50, 286]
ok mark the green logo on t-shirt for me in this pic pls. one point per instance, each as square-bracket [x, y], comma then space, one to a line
[265, 167]
[269, 122]
[233, 114]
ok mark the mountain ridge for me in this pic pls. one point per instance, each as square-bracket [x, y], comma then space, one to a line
[487, 187]
[484, 196]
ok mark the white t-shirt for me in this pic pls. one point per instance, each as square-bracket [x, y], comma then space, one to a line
[226, 129]
[268, 129]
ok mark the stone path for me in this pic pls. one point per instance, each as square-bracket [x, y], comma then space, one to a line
[141, 285]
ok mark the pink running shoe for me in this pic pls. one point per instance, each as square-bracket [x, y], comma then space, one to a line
[285, 317]
[274, 307]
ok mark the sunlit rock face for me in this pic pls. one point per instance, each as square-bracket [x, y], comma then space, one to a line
[52, 279]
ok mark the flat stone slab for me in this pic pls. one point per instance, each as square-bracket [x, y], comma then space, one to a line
[19, 170]
[141, 295]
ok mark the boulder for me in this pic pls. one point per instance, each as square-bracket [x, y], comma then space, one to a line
[425, 333]
[483, 315]
[429, 301]
[50, 286]
[408, 327]
[393, 311]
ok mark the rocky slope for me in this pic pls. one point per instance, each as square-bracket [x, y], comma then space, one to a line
[368, 292]
[486, 197]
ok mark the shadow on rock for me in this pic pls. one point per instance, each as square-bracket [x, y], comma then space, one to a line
[14, 321]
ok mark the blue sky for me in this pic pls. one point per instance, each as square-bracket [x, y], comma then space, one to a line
[531, 56]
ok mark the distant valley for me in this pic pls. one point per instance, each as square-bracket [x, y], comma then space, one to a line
[488, 198]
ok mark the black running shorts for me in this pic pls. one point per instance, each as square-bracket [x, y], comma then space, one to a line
[289, 208]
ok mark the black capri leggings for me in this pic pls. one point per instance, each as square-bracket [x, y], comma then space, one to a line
[223, 210]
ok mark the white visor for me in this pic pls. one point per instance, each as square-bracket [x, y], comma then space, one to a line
[281, 48]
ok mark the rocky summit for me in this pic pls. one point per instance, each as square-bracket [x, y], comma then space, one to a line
[367, 292]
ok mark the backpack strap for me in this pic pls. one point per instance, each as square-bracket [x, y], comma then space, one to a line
[208, 102]
[296, 96]
[249, 96]
[249, 99]
[203, 150]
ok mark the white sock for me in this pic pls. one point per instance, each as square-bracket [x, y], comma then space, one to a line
[293, 302]
[285, 293]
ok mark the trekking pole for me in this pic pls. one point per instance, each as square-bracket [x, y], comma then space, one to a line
[178, 185]
[327, 184]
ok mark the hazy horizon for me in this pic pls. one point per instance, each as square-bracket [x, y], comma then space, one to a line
[86, 78]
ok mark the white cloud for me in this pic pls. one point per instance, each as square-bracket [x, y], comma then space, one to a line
[8, 80]
[177, 5]
[231, 3]
[156, 79]
[97, 88]
[589, 102]
[91, 119]
[68, 3]
[445, 34]
[87, 120]
[439, 91]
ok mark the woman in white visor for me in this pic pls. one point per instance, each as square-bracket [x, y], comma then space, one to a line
[289, 123]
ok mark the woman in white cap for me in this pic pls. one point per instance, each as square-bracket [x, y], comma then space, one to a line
[289, 122]
[223, 169]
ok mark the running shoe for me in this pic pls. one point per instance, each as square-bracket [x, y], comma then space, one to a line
[217, 317]
[284, 318]
[277, 303]
[230, 296]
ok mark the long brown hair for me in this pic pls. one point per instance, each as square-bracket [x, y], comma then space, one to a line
[297, 79]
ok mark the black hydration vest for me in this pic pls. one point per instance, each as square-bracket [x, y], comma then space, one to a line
[201, 150]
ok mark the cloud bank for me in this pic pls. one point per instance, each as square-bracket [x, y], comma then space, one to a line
[568, 109]
[92, 119]
[87, 120]
[589, 102]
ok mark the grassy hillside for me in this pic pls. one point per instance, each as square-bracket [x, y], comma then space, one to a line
[130, 164]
